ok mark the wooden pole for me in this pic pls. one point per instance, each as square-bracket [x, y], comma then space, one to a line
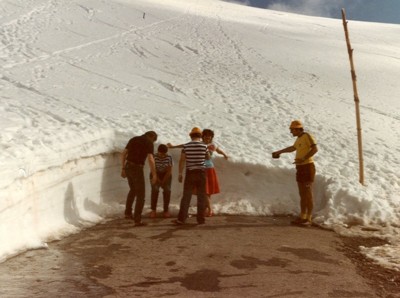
[356, 99]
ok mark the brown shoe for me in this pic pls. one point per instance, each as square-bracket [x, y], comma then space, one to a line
[153, 214]
[306, 223]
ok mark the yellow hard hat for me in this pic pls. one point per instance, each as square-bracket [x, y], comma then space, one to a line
[195, 130]
[296, 124]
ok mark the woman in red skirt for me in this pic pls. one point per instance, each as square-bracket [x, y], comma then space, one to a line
[212, 185]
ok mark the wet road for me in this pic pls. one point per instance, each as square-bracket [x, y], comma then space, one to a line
[230, 256]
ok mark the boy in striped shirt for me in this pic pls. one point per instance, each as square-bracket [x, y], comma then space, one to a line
[163, 163]
[193, 158]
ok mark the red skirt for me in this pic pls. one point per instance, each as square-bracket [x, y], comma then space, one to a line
[212, 185]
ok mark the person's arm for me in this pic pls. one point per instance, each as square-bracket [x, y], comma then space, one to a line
[123, 162]
[152, 166]
[167, 175]
[220, 151]
[182, 161]
[313, 150]
[289, 149]
[170, 146]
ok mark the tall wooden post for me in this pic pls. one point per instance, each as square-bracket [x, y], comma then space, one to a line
[356, 99]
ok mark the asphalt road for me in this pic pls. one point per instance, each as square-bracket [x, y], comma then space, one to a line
[229, 256]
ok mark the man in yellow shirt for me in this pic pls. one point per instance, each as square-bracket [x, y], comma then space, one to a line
[305, 147]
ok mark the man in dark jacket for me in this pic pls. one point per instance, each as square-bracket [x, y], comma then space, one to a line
[134, 157]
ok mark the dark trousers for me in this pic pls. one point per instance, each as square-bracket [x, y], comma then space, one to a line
[155, 189]
[193, 179]
[135, 176]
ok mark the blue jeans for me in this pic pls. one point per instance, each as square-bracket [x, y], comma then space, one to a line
[166, 186]
[193, 179]
[135, 176]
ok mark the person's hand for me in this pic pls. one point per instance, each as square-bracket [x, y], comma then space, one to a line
[276, 154]
[169, 145]
[180, 178]
[154, 179]
[298, 161]
[123, 174]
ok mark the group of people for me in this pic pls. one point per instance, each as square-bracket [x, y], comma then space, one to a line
[200, 177]
[195, 160]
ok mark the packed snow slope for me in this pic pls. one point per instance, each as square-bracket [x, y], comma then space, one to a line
[79, 78]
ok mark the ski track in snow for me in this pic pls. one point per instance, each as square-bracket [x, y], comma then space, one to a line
[173, 59]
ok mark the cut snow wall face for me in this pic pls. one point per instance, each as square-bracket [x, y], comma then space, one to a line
[60, 200]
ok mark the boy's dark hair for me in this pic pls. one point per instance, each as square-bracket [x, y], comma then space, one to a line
[162, 148]
[208, 132]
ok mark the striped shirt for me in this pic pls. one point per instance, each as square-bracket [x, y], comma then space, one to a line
[195, 153]
[162, 163]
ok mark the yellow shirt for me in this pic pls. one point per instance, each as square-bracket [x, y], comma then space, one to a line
[303, 145]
